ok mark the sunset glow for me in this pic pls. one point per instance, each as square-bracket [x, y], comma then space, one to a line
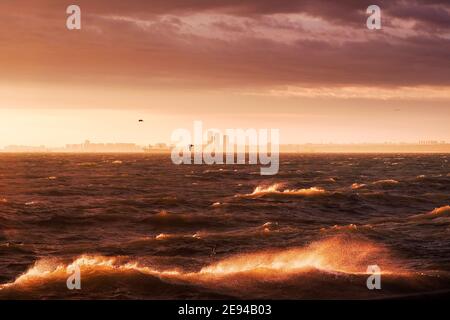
[249, 151]
[309, 68]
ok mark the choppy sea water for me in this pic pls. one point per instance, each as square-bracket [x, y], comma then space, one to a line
[140, 227]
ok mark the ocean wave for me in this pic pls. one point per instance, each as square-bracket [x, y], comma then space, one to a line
[338, 263]
[12, 247]
[337, 255]
[441, 211]
[221, 170]
[32, 203]
[168, 236]
[261, 230]
[385, 182]
[350, 227]
[436, 213]
[165, 218]
[265, 229]
[277, 189]
[358, 186]
[93, 268]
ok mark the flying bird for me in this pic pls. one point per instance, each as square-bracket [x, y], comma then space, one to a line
[141, 120]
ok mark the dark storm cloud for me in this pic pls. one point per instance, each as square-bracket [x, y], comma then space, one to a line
[247, 43]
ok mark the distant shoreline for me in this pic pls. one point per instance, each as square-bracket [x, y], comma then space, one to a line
[307, 148]
[281, 152]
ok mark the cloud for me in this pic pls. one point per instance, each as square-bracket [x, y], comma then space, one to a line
[399, 93]
[219, 44]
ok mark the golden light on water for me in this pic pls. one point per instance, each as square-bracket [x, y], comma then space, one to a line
[337, 255]
[276, 188]
[341, 254]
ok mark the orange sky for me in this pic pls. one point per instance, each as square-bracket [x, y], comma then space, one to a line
[310, 68]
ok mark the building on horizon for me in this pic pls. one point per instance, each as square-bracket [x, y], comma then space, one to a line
[158, 147]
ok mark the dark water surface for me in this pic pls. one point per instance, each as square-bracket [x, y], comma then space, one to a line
[140, 227]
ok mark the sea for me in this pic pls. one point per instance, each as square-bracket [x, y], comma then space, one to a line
[137, 226]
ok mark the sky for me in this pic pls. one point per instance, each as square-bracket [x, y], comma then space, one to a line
[309, 68]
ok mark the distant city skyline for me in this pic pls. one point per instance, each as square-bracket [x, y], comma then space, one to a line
[97, 147]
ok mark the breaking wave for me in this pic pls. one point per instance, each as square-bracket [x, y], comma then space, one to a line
[358, 186]
[334, 255]
[441, 211]
[277, 189]
[436, 213]
[45, 270]
[337, 255]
